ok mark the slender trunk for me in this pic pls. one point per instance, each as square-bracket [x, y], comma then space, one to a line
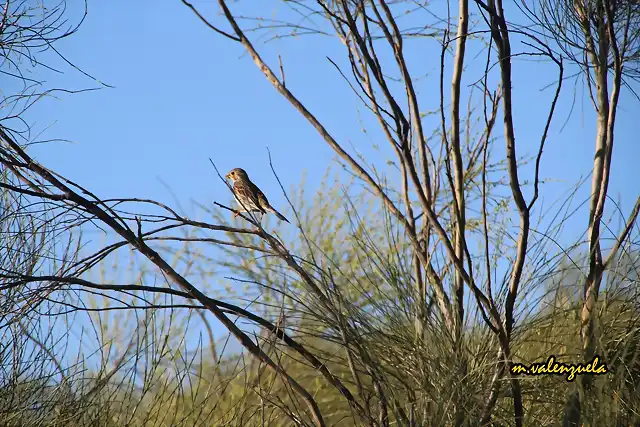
[459, 206]
[599, 55]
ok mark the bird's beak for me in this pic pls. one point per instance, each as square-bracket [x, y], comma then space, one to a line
[227, 176]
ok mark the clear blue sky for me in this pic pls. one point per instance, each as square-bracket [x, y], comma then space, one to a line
[183, 94]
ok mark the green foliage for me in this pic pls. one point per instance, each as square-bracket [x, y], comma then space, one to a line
[148, 376]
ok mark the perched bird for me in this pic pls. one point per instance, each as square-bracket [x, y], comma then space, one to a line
[249, 196]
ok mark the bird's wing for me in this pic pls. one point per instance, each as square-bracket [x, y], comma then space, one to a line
[263, 202]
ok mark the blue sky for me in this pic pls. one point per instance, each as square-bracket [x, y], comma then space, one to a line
[183, 94]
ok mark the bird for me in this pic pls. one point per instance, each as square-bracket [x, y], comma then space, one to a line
[249, 196]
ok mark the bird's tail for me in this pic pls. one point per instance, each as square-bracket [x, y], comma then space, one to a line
[279, 215]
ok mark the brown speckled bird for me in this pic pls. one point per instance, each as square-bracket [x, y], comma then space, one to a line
[249, 195]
